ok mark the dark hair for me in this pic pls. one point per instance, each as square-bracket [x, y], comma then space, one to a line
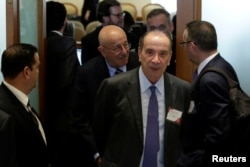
[203, 34]
[128, 19]
[55, 15]
[16, 57]
[157, 11]
[103, 8]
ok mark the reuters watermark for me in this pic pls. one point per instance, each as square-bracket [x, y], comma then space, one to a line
[229, 159]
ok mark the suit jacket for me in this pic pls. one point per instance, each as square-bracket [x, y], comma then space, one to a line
[118, 125]
[88, 80]
[206, 131]
[21, 140]
[61, 67]
[89, 5]
[90, 43]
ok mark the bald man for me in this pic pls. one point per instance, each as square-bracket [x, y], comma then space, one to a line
[116, 58]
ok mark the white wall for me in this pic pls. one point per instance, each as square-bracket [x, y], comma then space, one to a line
[2, 31]
[231, 20]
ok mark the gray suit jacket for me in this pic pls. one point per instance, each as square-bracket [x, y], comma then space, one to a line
[118, 124]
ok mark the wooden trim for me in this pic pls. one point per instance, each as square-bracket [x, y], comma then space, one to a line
[41, 44]
[12, 22]
[188, 10]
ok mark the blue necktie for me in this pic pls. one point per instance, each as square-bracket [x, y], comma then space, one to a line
[195, 76]
[152, 143]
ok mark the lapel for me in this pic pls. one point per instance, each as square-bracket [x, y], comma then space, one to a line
[21, 113]
[134, 98]
[168, 87]
[217, 59]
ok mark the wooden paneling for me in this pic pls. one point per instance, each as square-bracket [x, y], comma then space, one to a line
[12, 22]
[41, 43]
[13, 36]
[187, 10]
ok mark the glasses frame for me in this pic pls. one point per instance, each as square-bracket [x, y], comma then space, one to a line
[119, 48]
[119, 14]
[185, 42]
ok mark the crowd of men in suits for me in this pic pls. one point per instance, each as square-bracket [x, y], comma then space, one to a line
[122, 106]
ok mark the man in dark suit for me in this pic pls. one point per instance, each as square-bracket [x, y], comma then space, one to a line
[114, 48]
[120, 114]
[109, 12]
[61, 65]
[160, 19]
[207, 127]
[88, 12]
[23, 141]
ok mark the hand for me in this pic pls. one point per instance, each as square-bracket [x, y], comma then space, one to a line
[98, 161]
[86, 16]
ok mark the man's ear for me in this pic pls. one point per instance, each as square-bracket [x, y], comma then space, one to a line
[26, 72]
[171, 27]
[139, 53]
[101, 50]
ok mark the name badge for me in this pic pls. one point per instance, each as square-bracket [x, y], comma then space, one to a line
[191, 107]
[174, 115]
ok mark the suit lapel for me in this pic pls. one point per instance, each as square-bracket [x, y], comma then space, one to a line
[134, 98]
[168, 101]
[22, 113]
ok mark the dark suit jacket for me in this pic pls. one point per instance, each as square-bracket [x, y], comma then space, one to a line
[89, 5]
[20, 138]
[118, 125]
[88, 80]
[90, 43]
[206, 131]
[61, 66]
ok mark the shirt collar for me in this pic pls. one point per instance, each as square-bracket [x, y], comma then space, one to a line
[113, 70]
[58, 32]
[22, 97]
[145, 83]
[205, 62]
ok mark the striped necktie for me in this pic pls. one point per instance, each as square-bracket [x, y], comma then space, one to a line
[118, 71]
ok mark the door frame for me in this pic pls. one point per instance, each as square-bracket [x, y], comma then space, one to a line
[13, 36]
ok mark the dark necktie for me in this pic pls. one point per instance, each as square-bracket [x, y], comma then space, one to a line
[152, 142]
[195, 76]
[118, 71]
[32, 114]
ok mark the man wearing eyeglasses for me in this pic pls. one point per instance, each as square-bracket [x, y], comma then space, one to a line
[115, 58]
[109, 12]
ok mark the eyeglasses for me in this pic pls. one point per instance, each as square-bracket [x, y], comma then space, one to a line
[119, 48]
[182, 43]
[119, 14]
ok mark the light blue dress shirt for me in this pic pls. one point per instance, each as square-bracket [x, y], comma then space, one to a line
[145, 95]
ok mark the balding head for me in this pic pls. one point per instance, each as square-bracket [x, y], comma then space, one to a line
[113, 45]
[109, 34]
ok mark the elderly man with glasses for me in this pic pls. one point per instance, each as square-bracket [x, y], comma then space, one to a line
[109, 12]
[115, 58]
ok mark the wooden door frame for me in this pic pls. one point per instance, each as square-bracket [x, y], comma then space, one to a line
[13, 36]
[187, 10]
